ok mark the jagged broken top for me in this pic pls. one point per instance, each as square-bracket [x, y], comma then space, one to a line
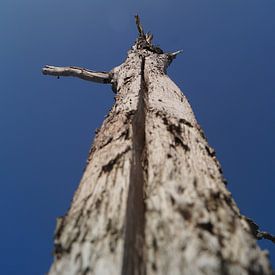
[144, 40]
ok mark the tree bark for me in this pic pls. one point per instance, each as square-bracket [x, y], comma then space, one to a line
[189, 211]
[153, 199]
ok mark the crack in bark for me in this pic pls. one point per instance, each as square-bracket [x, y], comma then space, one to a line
[133, 258]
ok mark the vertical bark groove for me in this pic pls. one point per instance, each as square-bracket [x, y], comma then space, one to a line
[133, 260]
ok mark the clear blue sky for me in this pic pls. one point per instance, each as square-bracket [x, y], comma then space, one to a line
[47, 125]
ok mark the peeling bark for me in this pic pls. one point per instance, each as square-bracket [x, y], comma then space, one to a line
[153, 199]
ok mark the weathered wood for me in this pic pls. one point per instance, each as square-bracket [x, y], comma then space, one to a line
[152, 199]
[91, 237]
[100, 77]
[189, 211]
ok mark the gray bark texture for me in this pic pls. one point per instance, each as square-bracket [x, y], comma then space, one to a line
[153, 199]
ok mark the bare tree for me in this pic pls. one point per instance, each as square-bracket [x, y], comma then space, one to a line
[152, 199]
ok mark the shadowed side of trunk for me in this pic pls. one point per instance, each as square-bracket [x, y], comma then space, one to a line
[90, 238]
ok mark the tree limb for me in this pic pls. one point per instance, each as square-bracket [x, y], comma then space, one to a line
[174, 54]
[257, 232]
[99, 77]
[139, 26]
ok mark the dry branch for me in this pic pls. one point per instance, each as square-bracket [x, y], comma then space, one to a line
[139, 26]
[99, 77]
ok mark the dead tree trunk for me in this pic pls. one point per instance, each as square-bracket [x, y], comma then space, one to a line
[152, 199]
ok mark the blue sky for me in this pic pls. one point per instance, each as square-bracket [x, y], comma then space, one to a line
[47, 125]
